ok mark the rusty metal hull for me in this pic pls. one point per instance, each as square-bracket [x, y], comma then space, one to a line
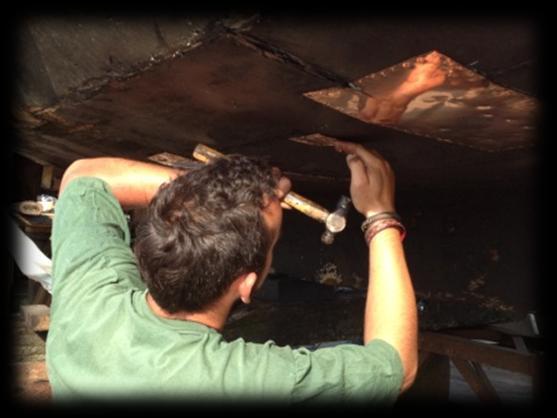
[135, 88]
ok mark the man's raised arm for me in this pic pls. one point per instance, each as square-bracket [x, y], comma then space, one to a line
[134, 183]
[390, 312]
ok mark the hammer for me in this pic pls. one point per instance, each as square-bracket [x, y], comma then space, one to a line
[335, 222]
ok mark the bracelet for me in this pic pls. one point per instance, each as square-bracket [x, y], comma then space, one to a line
[381, 225]
[379, 216]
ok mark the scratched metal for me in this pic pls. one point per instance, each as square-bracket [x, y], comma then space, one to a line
[434, 96]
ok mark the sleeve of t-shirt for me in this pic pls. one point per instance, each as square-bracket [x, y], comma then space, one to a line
[91, 240]
[348, 373]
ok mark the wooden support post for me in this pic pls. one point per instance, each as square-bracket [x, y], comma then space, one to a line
[47, 177]
[467, 355]
[476, 378]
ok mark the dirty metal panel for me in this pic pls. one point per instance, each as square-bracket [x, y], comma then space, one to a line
[219, 94]
[505, 49]
[434, 96]
[465, 269]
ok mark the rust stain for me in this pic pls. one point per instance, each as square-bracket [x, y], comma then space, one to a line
[50, 115]
[316, 139]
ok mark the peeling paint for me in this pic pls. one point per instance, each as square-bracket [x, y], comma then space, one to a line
[328, 274]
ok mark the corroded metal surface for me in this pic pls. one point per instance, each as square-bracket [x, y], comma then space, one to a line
[433, 95]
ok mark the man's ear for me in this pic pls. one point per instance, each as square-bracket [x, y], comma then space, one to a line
[247, 286]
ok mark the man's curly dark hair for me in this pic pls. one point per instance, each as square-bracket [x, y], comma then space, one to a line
[203, 230]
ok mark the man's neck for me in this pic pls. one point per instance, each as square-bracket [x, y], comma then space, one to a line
[213, 318]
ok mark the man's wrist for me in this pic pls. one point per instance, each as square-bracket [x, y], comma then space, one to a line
[377, 216]
[382, 225]
[379, 222]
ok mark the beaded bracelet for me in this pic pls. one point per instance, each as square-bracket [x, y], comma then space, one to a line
[379, 216]
[382, 224]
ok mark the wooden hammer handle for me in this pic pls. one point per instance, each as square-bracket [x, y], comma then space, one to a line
[306, 206]
[206, 154]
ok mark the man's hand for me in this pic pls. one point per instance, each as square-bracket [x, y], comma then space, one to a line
[372, 185]
[391, 313]
[283, 186]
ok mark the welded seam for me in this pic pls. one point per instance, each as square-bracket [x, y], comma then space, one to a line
[276, 53]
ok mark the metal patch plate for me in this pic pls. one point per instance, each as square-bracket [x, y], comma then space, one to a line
[434, 96]
[317, 139]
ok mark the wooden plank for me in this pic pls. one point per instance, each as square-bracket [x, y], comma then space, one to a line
[36, 317]
[41, 225]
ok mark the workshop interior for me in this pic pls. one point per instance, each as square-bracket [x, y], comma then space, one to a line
[452, 103]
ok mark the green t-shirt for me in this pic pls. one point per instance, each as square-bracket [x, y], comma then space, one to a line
[104, 340]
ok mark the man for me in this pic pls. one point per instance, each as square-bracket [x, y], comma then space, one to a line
[207, 242]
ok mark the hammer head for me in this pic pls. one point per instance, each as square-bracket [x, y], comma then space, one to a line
[336, 221]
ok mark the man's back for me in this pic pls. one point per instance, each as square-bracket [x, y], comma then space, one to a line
[106, 341]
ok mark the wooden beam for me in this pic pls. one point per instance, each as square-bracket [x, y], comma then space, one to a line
[464, 349]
